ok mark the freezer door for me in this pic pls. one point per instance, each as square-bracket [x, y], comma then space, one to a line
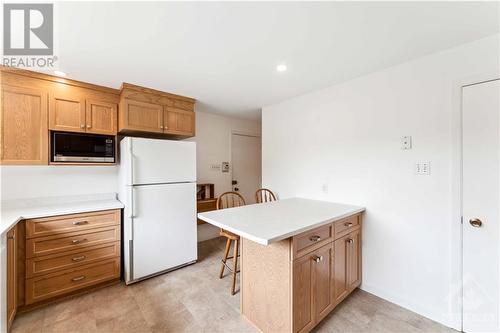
[164, 227]
[157, 161]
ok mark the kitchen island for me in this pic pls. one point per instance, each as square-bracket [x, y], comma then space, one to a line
[299, 259]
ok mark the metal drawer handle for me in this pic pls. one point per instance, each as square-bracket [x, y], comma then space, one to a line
[350, 241]
[315, 238]
[80, 258]
[317, 258]
[78, 278]
[78, 241]
[80, 222]
[348, 224]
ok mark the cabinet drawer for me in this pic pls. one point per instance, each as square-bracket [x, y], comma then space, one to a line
[50, 285]
[312, 239]
[36, 247]
[69, 223]
[71, 259]
[345, 226]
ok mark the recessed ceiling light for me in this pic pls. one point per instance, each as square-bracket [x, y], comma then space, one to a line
[59, 73]
[281, 68]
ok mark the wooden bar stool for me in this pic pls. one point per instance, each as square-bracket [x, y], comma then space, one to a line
[229, 200]
[264, 195]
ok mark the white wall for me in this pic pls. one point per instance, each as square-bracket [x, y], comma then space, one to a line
[19, 182]
[348, 138]
[213, 146]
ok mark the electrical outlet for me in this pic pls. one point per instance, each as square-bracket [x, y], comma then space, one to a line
[225, 166]
[406, 142]
[423, 168]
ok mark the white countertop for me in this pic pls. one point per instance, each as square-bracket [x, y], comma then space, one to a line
[271, 222]
[12, 211]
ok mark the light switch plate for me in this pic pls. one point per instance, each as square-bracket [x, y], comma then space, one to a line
[406, 142]
[225, 166]
[423, 168]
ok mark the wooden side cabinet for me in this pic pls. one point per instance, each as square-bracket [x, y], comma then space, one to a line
[23, 122]
[11, 275]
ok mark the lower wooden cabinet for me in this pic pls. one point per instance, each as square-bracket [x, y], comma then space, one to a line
[312, 288]
[304, 277]
[11, 275]
[53, 257]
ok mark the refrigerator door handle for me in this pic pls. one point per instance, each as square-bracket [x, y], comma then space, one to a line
[131, 259]
[131, 162]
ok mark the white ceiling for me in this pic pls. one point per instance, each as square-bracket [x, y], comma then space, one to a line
[225, 54]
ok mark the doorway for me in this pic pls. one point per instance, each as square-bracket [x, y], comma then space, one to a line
[481, 207]
[247, 167]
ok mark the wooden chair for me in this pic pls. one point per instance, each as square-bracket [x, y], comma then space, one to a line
[264, 195]
[229, 200]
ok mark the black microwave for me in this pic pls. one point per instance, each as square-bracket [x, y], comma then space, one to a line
[82, 148]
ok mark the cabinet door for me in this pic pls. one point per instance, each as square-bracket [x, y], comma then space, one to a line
[340, 284]
[67, 112]
[303, 316]
[353, 259]
[11, 275]
[141, 116]
[101, 117]
[179, 122]
[323, 281]
[23, 118]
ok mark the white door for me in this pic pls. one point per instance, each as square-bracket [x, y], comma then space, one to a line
[164, 227]
[247, 167]
[481, 207]
[156, 161]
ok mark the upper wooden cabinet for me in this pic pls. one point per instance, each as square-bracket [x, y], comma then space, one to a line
[144, 110]
[24, 134]
[177, 121]
[67, 112]
[76, 110]
[101, 117]
[141, 116]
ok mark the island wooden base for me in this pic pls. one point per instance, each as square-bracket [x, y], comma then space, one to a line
[291, 285]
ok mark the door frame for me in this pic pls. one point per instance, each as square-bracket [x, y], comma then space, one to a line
[242, 133]
[455, 290]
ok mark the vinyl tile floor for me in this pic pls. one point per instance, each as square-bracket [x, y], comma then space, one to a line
[194, 299]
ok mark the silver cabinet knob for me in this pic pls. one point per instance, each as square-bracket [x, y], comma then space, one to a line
[82, 126]
[350, 240]
[315, 238]
[317, 258]
[89, 126]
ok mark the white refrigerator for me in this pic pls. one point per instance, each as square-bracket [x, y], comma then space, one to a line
[158, 188]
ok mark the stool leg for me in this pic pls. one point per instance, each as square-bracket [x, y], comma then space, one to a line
[235, 264]
[226, 253]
